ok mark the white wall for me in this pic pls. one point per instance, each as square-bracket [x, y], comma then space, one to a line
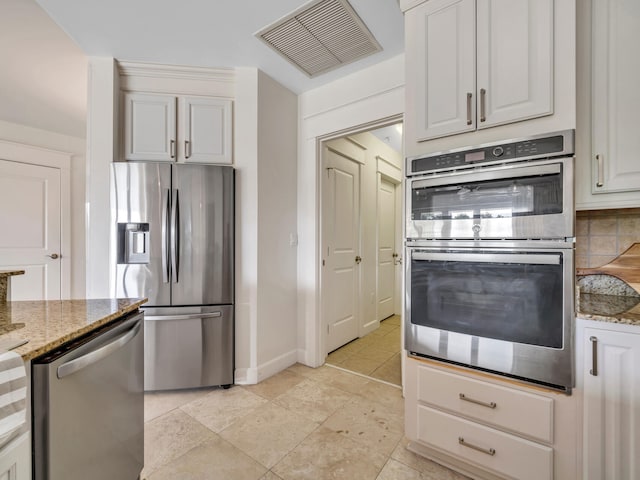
[74, 146]
[245, 156]
[101, 140]
[277, 222]
[265, 157]
[370, 95]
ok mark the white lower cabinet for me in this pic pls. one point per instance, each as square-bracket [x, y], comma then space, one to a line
[15, 459]
[611, 402]
[488, 447]
[487, 427]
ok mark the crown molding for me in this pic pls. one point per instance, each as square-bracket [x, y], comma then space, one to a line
[179, 72]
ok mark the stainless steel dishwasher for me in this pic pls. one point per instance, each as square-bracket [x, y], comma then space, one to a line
[88, 406]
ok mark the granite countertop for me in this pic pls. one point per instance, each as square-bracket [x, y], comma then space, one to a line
[607, 299]
[49, 324]
[9, 273]
[609, 308]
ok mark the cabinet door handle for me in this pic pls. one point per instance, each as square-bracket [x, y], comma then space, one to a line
[173, 149]
[600, 160]
[483, 105]
[469, 97]
[187, 149]
[477, 402]
[594, 356]
[488, 451]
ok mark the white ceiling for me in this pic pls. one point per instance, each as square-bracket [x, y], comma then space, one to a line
[209, 33]
[43, 80]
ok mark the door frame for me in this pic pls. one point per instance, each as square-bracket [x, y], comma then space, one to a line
[320, 144]
[44, 157]
[397, 240]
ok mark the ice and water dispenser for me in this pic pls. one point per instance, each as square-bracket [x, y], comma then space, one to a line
[133, 243]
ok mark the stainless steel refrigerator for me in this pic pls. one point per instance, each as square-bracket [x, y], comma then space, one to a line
[174, 234]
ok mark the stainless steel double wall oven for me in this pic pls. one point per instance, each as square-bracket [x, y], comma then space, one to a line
[490, 258]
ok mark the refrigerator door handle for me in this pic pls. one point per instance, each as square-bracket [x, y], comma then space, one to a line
[166, 207]
[175, 237]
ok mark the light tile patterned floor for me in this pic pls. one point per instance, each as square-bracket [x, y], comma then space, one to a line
[376, 355]
[303, 423]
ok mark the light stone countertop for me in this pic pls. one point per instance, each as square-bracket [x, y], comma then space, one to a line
[49, 324]
[605, 298]
[9, 273]
[609, 308]
[4, 282]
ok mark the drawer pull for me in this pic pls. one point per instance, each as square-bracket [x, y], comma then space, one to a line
[488, 451]
[478, 402]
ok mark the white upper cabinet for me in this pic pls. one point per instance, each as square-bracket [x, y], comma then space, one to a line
[608, 161]
[515, 60]
[199, 131]
[149, 127]
[473, 64]
[206, 130]
[441, 76]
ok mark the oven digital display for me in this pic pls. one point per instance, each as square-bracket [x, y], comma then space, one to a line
[474, 156]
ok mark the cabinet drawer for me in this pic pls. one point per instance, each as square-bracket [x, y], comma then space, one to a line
[512, 456]
[521, 412]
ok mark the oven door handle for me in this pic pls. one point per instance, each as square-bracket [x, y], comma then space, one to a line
[533, 259]
[498, 173]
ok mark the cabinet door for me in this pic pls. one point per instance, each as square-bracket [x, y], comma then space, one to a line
[15, 459]
[611, 405]
[616, 97]
[149, 127]
[206, 127]
[440, 86]
[515, 60]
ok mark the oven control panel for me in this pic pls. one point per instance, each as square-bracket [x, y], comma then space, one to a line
[557, 144]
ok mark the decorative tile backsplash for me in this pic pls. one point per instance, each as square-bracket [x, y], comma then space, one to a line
[602, 235]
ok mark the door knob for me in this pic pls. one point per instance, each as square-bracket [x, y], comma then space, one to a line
[54, 256]
[358, 259]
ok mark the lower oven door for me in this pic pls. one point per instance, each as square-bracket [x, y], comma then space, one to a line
[508, 311]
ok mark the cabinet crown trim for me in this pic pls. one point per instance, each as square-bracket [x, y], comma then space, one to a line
[176, 72]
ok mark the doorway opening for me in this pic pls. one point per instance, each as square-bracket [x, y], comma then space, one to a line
[361, 246]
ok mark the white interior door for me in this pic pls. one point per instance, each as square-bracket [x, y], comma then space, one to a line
[386, 247]
[341, 235]
[31, 229]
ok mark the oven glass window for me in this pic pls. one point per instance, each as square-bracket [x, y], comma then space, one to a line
[538, 195]
[519, 303]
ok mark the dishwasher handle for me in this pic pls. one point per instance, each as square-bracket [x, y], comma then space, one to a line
[189, 316]
[90, 358]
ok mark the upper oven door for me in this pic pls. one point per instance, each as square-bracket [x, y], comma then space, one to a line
[532, 200]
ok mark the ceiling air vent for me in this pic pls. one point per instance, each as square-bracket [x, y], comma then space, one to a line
[321, 36]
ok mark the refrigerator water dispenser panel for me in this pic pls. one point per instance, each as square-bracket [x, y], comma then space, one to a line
[133, 243]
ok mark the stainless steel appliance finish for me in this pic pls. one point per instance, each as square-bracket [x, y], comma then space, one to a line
[174, 231]
[173, 336]
[500, 308]
[518, 197]
[490, 258]
[88, 406]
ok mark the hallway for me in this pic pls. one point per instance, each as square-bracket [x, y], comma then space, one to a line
[375, 355]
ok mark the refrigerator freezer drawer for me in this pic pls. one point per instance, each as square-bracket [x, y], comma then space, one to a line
[188, 347]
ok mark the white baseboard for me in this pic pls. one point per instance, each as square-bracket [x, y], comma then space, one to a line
[246, 376]
[253, 375]
[277, 364]
[305, 357]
